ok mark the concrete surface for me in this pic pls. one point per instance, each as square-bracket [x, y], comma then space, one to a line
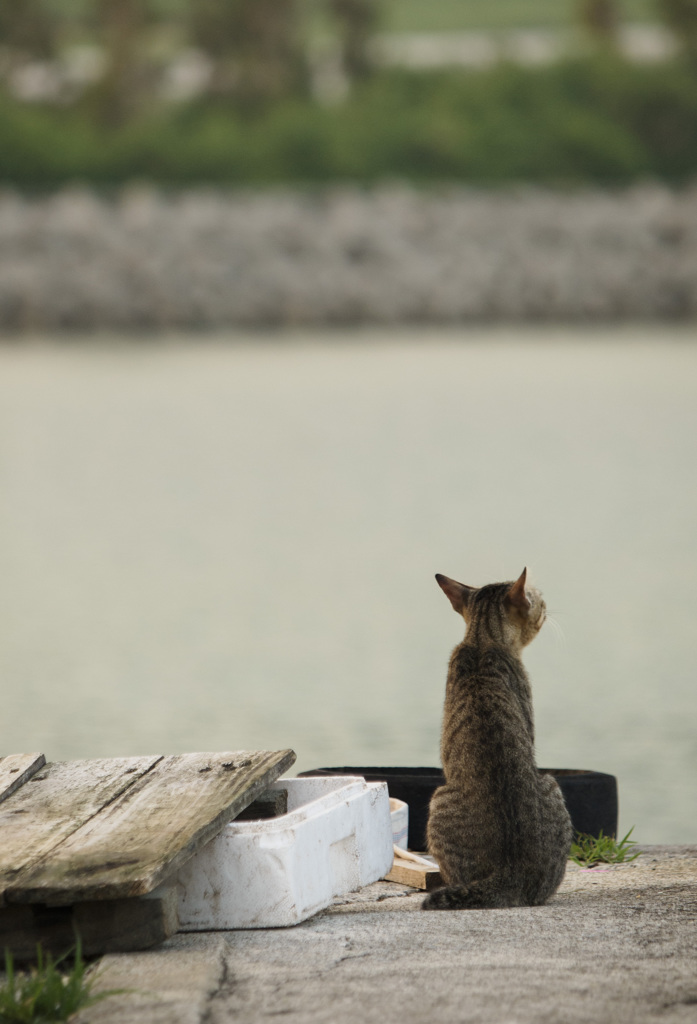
[616, 944]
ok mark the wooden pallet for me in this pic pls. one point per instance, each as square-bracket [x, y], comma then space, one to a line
[83, 842]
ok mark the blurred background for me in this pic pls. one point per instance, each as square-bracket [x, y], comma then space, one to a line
[303, 301]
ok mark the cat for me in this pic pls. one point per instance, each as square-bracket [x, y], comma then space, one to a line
[498, 828]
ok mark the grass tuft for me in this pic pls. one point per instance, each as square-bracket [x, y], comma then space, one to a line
[47, 992]
[587, 851]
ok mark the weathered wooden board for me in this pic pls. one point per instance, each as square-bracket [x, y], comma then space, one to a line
[145, 835]
[16, 769]
[55, 802]
[104, 926]
[407, 873]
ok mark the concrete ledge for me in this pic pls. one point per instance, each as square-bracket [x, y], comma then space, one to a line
[615, 944]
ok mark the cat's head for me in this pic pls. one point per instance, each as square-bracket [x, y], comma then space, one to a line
[511, 614]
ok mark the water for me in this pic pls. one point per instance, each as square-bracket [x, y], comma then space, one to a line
[223, 544]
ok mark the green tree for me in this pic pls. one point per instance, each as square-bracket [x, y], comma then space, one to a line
[681, 17]
[120, 24]
[601, 19]
[256, 48]
[357, 21]
[29, 26]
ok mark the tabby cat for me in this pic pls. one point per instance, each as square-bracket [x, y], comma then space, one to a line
[498, 828]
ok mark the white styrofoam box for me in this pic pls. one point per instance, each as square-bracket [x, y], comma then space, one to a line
[399, 813]
[335, 838]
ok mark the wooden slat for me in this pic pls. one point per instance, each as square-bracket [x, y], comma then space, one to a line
[407, 873]
[16, 769]
[142, 838]
[55, 802]
[106, 926]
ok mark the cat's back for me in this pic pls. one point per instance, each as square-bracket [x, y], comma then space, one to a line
[475, 669]
[488, 711]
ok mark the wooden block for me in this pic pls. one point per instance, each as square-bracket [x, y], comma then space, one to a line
[16, 769]
[55, 802]
[271, 804]
[138, 839]
[407, 873]
[104, 926]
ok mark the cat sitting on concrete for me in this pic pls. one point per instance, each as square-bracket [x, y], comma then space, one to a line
[498, 828]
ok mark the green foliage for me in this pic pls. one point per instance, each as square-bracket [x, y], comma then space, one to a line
[47, 992]
[29, 26]
[588, 851]
[464, 15]
[594, 121]
[681, 17]
[395, 15]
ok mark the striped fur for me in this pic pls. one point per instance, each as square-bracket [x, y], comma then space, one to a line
[499, 830]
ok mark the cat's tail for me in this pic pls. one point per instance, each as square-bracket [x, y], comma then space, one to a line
[466, 897]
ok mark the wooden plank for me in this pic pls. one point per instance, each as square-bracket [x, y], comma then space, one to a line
[55, 802]
[16, 769]
[408, 873]
[104, 926]
[140, 839]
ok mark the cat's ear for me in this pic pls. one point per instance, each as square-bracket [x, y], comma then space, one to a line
[517, 596]
[458, 594]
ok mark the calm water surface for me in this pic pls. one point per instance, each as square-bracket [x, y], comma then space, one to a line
[224, 544]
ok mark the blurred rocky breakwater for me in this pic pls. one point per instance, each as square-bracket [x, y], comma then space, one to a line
[146, 259]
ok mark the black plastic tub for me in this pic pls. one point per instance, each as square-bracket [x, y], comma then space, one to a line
[591, 797]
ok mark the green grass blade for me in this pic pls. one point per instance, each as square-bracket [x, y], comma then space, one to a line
[587, 850]
[49, 991]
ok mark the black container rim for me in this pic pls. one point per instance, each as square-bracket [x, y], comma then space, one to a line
[430, 773]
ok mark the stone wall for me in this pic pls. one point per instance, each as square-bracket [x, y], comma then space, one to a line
[202, 259]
